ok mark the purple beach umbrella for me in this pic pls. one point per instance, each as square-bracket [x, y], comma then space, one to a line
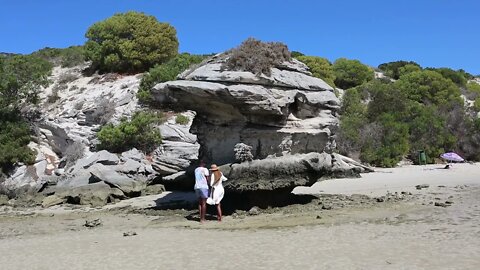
[452, 156]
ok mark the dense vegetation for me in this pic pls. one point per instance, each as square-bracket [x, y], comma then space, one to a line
[21, 77]
[165, 72]
[68, 57]
[351, 73]
[130, 42]
[139, 132]
[384, 121]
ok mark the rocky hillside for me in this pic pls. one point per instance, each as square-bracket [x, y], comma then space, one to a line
[270, 133]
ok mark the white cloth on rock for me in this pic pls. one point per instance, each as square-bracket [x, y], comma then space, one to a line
[218, 190]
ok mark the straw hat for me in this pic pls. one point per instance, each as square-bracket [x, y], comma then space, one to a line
[214, 167]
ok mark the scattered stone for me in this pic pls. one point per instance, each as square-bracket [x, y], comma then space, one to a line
[93, 223]
[448, 202]
[441, 186]
[404, 193]
[3, 199]
[419, 187]
[319, 217]
[327, 207]
[52, 200]
[130, 233]
[154, 189]
[380, 199]
[254, 211]
[440, 204]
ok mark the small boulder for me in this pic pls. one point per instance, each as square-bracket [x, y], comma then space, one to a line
[52, 200]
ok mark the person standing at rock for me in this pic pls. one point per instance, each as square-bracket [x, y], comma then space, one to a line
[216, 196]
[201, 189]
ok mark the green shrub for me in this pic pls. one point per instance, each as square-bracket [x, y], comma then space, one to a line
[351, 73]
[14, 138]
[130, 42]
[408, 69]
[139, 132]
[72, 56]
[182, 119]
[257, 57]
[320, 68]
[165, 72]
[429, 87]
[21, 79]
[457, 77]
[393, 69]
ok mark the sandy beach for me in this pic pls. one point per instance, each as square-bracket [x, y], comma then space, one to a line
[396, 227]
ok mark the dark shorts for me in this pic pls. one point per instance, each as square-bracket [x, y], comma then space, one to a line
[202, 193]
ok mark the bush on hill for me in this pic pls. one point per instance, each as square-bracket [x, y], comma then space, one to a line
[392, 69]
[320, 68]
[351, 73]
[130, 42]
[14, 138]
[139, 132]
[165, 72]
[257, 57]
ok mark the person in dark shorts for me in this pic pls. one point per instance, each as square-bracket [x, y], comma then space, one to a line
[201, 189]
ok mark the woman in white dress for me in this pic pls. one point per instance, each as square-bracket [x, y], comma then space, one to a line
[217, 192]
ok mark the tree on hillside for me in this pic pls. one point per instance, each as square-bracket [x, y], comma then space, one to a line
[392, 69]
[458, 77]
[320, 68]
[351, 73]
[429, 87]
[165, 72]
[130, 42]
[21, 77]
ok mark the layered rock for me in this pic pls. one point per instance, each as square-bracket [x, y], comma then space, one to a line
[288, 112]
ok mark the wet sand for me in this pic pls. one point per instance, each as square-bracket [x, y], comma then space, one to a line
[388, 231]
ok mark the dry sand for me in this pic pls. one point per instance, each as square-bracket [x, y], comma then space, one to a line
[358, 233]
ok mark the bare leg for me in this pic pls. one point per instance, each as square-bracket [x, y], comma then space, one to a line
[203, 209]
[219, 212]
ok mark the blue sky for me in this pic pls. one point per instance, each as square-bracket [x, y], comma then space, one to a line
[434, 33]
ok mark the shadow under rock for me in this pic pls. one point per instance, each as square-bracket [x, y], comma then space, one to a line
[176, 200]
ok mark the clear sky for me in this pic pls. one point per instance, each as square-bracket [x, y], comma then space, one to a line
[434, 33]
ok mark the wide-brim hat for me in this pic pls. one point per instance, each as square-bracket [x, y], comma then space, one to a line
[214, 167]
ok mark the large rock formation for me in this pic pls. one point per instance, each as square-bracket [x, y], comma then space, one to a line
[287, 119]
[286, 113]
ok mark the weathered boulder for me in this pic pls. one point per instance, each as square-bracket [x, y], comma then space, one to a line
[96, 194]
[127, 185]
[287, 172]
[288, 112]
[52, 200]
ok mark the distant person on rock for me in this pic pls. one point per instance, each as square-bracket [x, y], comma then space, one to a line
[201, 189]
[217, 192]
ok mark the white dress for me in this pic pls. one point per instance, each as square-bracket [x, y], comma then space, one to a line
[218, 190]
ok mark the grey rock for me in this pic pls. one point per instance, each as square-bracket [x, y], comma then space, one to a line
[129, 186]
[96, 194]
[133, 154]
[130, 166]
[154, 189]
[52, 200]
[288, 112]
[254, 211]
[93, 223]
[103, 157]
[422, 186]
